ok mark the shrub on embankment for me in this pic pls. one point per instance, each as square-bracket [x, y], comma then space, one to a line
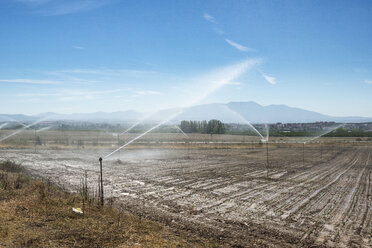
[34, 213]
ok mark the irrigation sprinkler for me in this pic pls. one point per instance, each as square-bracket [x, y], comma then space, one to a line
[101, 180]
[11, 119]
[317, 137]
[38, 142]
[184, 134]
[143, 134]
[244, 120]
[263, 139]
[228, 74]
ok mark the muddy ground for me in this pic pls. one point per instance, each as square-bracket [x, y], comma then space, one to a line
[225, 194]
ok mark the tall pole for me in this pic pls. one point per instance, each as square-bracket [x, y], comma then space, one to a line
[100, 167]
[303, 153]
[267, 158]
[35, 139]
[119, 143]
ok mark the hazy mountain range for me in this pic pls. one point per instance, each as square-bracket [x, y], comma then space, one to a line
[232, 112]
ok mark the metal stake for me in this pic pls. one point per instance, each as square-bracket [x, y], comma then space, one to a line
[303, 153]
[35, 139]
[119, 143]
[267, 158]
[100, 167]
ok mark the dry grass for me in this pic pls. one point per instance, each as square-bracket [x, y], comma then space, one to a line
[38, 214]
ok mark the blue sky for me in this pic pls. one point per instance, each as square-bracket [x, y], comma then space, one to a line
[111, 55]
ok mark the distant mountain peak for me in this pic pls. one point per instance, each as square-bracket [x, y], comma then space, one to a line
[240, 102]
[236, 112]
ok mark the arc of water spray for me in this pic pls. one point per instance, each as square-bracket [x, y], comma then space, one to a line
[44, 129]
[3, 125]
[182, 131]
[267, 132]
[229, 73]
[314, 138]
[137, 123]
[143, 134]
[131, 127]
[245, 121]
[16, 121]
[266, 140]
[23, 128]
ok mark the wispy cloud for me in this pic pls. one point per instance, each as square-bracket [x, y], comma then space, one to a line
[29, 81]
[103, 72]
[116, 96]
[80, 92]
[66, 95]
[235, 83]
[368, 81]
[209, 18]
[79, 77]
[269, 79]
[57, 7]
[145, 93]
[35, 2]
[238, 46]
[66, 80]
[78, 47]
[36, 94]
[219, 31]
[70, 92]
[28, 100]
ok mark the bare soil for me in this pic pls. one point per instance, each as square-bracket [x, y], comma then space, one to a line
[222, 192]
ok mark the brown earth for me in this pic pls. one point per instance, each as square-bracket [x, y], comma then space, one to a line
[34, 213]
[224, 194]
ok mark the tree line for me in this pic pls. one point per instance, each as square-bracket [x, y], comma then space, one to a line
[211, 127]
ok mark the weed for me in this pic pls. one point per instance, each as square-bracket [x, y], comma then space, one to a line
[39, 214]
[10, 166]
